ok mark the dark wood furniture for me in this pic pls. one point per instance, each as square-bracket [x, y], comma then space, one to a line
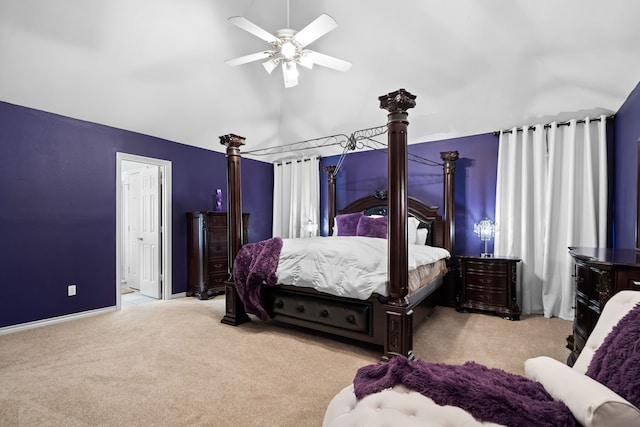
[599, 274]
[489, 284]
[389, 322]
[207, 252]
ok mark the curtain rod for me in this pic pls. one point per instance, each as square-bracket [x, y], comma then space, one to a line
[548, 125]
[291, 161]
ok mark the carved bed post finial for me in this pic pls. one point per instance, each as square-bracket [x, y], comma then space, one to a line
[449, 169]
[399, 320]
[331, 177]
[235, 313]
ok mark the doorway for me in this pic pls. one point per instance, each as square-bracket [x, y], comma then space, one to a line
[143, 226]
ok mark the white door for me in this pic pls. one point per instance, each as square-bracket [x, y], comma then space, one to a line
[150, 227]
[132, 230]
[129, 163]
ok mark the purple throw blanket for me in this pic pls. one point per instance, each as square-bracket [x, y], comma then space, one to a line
[616, 363]
[487, 394]
[256, 264]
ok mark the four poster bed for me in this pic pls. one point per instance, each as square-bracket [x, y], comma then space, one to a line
[384, 317]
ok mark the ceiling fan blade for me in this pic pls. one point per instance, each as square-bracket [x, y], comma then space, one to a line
[329, 61]
[249, 58]
[316, 29]
[252, 28]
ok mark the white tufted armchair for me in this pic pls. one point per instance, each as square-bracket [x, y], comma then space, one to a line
[591, 403]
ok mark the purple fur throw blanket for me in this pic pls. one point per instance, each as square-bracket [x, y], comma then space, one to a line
[487, 394]
[255, 265]
[616, 363]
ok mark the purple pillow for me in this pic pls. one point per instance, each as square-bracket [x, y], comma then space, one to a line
[616, 363]
[372, 227]
[348, 223]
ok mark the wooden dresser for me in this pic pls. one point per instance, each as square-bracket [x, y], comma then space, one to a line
[489, 284]
[207, 252]
[599, 274]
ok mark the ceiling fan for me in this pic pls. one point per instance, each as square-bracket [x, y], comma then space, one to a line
[288, 47]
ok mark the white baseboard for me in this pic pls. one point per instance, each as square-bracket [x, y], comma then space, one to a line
[54, 320]
[68, 317]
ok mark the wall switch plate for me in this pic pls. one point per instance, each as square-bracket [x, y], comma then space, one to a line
[71, 290]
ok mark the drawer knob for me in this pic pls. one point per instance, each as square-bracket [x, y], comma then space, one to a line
[351, 319]
[279, 303]
[300, 308]
[324, 313]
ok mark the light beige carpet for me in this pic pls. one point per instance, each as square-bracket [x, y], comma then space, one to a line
[172, 363]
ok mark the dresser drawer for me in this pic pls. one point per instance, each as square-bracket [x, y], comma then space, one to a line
[585, 317]
[217, 263]
[217, 279]
[216, 245]
[584, 282]
[217, 221]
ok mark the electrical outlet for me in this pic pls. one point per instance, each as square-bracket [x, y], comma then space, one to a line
[71, 290]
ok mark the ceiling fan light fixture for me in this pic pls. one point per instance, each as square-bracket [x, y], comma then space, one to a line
[288, 50]
[270, 65]
[290, 73]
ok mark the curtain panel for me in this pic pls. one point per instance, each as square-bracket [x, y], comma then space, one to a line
[296, 197]
[551, 193]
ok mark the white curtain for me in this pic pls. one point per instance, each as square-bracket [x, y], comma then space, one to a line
[296, 197]
[551, 193]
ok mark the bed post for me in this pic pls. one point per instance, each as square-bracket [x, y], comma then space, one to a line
[331, 177]
[449, 169]
[235, 313]
[399, 320]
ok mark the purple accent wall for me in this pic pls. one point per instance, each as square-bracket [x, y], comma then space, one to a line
[58, 208]
[57, 199]
[365, 172]
[627, 135]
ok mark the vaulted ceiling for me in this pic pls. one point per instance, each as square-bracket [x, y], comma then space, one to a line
[157, 66]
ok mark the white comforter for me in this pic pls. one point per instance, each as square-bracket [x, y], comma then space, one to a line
[354, 267]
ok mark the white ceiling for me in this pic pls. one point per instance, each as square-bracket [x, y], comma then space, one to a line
[156, 66]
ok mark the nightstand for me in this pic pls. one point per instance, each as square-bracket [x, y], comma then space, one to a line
[489, 284]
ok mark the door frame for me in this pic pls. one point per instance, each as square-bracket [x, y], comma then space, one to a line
[165, 240]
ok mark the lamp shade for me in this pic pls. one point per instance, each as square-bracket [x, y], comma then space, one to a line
[485, 229]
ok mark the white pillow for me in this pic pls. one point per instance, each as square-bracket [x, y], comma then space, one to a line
[412, 228]
[421, 236]
[590, 402]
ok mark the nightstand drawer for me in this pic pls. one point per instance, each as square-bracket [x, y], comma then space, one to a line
[485, 280]
[490, 296]
[486, 267]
